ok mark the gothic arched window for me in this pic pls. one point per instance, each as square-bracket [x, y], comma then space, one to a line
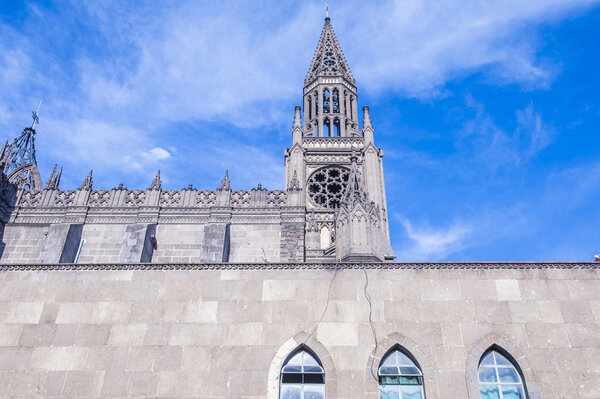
[499, 378]
[335, 98]
[316, 104]
[309, 108]
[399, 377]
[302, 377]
[326, 128]
[326, 101]
[336, 127]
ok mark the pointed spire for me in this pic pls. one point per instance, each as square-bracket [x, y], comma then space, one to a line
[22, 149]
[156, 183]
[57, 179]
[298, 117]
[366, 117]
[329, 59]
[50, 183]
[225, 184]
[87, 183]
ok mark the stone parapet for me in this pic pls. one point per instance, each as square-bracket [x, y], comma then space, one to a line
[309, 265]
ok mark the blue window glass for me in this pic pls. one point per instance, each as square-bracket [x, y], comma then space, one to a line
[399, 377]
[499, 378]
[302, 377]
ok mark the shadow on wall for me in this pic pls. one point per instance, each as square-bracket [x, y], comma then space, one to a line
[2, 244]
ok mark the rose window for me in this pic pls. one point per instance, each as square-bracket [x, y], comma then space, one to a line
[327, 185]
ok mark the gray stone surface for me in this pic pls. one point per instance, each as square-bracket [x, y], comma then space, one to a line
[137, 245]
[216, 244]
[221, 333]
[72, 244]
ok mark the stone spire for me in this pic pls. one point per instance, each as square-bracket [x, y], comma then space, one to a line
[225, 184]
[329, 59]
[298, 117]
[156, 183]
[87, 183]
[330, 91]
[54, 179]
[366, 117]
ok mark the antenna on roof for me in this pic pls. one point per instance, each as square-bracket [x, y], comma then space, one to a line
[34, 114]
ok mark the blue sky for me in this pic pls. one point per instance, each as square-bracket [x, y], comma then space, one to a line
[487, 111]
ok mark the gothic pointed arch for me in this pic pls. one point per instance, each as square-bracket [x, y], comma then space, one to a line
[386, 345]
[310, 342]
[502, 345]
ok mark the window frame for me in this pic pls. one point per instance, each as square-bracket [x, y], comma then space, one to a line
[402, 351]
[512, 364]
[305, 351]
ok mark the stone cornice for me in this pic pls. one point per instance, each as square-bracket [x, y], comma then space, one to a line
[306, 265]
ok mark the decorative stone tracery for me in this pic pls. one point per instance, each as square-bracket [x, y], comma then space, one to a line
[327, 185]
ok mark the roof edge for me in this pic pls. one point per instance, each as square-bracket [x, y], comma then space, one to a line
[301, 265]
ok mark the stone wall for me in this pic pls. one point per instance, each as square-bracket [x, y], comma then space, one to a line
[224, 333]
[178, 243]
[103, 243]
[23, 244]
[255, 242]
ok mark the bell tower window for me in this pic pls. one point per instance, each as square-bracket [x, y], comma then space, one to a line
[336, 101]
[326, 101]
[336, 127]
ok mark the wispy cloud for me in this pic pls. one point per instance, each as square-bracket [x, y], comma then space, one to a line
[432, 244]
[484, 140]
[124, 74]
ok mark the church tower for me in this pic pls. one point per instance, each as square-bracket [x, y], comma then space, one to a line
[333, 167]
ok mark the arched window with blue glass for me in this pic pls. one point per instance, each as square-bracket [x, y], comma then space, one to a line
[302, 376]
[499, 377]
[400, 376]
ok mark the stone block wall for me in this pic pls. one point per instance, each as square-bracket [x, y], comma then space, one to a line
[103, 243]
[178, 243]
[224, 333]
[23, 244]
[255, 242]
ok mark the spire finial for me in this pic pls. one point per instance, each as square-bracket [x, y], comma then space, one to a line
[156, 183]
[50, 183]
[34, 115]
[87, 183]
[326, 10]
[225, 184]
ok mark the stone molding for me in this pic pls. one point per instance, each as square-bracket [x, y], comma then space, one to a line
[522, 364]
[307, 265]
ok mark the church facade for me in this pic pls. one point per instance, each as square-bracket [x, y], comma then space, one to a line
[289, 293]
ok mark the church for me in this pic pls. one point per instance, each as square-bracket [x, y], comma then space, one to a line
[289, 293]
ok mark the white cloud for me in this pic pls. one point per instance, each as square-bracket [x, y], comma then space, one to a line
[199, 62]
[152, 66]
[432, 244]
[156, 153]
